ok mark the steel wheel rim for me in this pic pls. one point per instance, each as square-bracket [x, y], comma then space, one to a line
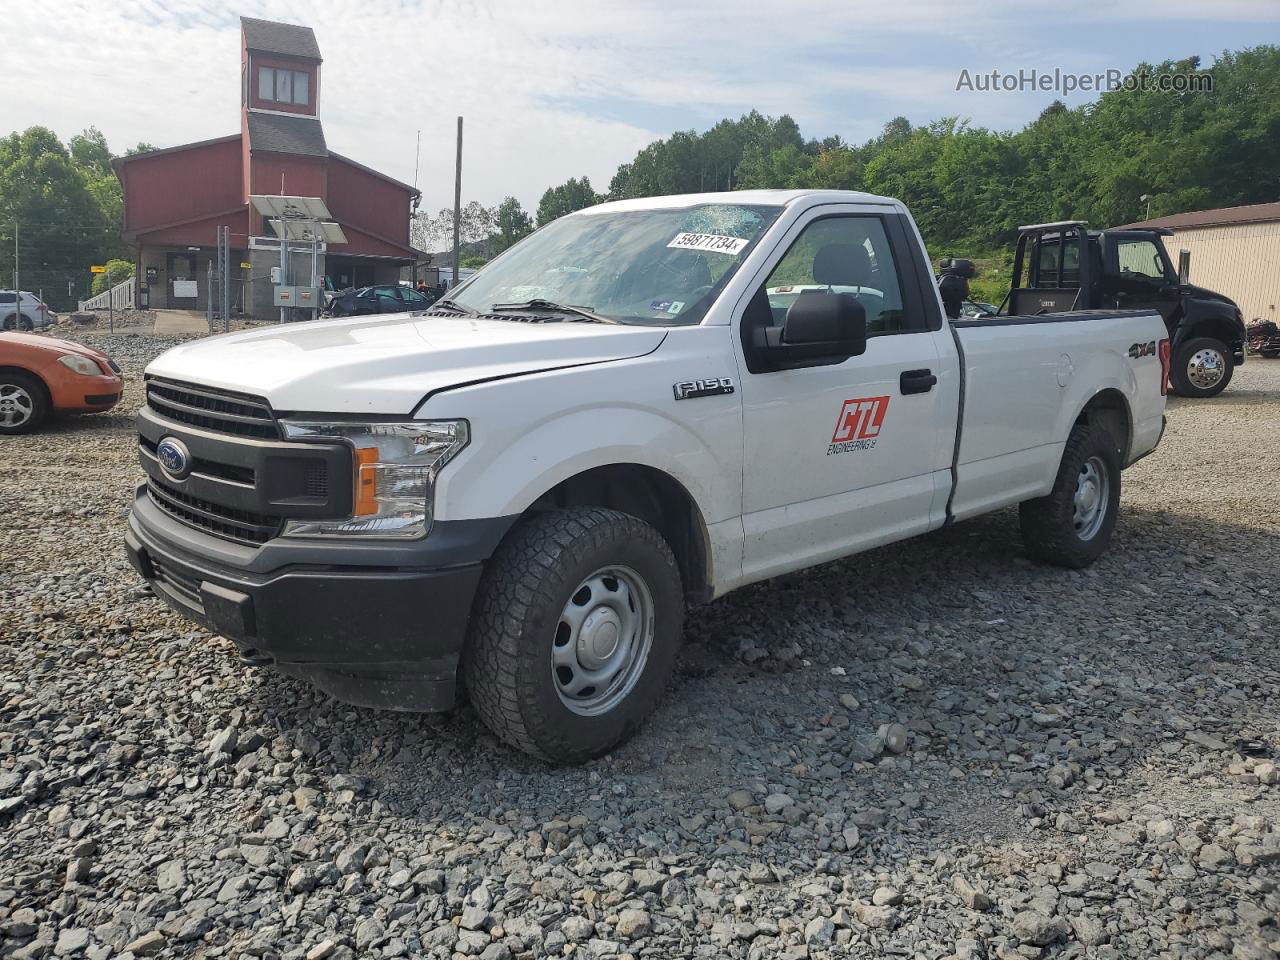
[1090, 501]
[1206, 368]
[16, 405]
[602, 640]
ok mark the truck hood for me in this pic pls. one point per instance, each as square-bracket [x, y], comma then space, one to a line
[388, 364]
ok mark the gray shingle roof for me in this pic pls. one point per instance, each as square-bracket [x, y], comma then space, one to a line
[268, 36]
[279, 134]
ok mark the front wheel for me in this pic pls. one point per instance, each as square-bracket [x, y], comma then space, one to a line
[23, 403]
[1072, 525]
[574, 632]
[1202, 367]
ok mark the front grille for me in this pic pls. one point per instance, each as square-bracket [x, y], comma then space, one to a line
[227, 522]
[211, 409]
[185, 587]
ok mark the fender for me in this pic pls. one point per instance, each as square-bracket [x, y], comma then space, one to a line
[530, 433]
[1112, 372]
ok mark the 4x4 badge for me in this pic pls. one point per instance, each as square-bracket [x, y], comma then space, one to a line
[710, 387]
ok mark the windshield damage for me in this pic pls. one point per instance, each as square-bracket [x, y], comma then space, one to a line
[657, 267]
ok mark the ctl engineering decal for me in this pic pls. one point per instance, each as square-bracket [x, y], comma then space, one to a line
[858, 426]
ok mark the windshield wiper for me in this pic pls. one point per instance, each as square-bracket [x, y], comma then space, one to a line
[537, 303]
[454, 305]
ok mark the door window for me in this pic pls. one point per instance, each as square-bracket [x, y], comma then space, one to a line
[848, 254]
[1140, 257]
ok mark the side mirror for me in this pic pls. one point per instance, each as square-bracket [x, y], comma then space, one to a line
[1184, 267]
[819, 329]
[835, 319]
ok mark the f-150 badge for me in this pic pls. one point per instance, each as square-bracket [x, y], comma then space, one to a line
[710, 387]
[858, 426]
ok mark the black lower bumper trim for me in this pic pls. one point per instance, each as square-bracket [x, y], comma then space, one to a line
[381, 637]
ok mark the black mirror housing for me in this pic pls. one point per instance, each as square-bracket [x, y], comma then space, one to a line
[827, 318]
[820, 329]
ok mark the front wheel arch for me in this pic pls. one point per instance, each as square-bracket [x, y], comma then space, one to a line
[653, 496]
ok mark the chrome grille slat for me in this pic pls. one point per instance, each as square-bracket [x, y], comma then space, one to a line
[225, 522]
[222, 411]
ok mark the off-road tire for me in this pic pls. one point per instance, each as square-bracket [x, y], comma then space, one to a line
[1047, 523]
[39, 401]
[506, 665]
[1179, 377]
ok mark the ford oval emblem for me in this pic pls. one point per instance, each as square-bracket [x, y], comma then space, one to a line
[174, 457]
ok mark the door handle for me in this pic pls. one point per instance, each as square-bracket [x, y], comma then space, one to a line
[917, 381]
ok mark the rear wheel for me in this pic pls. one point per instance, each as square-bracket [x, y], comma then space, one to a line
[574, 632]
[1202, 367]
[23, 403]
[1072, 525]
[15, 322]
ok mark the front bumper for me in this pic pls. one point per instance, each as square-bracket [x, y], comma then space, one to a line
[368, 633]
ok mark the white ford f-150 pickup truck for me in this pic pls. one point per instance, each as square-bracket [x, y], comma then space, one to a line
[642, 403]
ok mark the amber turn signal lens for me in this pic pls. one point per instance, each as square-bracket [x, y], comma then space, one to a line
[366, 481]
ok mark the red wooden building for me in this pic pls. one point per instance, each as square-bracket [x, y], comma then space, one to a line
[175, 199]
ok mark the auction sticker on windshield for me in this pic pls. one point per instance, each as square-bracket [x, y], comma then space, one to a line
[711, 242]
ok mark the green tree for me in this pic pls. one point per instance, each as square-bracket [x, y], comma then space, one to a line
[61, 225]
[118, 271]
[513, 224]
[573, 194]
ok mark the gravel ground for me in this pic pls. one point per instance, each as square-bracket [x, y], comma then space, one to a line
[937, 749]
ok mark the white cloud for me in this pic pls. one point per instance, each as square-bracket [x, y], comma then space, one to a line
[548, 88]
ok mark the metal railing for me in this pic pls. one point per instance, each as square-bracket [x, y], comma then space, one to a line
[119, 297]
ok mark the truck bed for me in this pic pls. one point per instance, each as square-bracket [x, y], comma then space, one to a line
[1025, 379]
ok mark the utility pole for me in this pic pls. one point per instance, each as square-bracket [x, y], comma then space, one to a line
[17, 288]
[457, 207]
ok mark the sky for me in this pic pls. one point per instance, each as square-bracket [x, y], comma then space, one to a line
[553, 89]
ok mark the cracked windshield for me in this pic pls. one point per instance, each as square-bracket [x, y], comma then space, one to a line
[659, 267]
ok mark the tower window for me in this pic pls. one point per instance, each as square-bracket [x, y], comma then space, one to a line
[283, 86]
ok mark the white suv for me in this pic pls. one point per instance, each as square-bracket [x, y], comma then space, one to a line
[34, 314]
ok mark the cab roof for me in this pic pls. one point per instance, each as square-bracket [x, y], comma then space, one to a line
[766, 198]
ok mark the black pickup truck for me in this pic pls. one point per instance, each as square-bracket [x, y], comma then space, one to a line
[1130, 270]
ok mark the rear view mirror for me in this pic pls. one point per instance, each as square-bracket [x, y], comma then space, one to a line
[1184, 267]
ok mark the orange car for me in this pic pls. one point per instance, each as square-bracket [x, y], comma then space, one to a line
[41, 375]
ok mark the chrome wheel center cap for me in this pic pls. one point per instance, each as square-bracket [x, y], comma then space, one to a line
[599, 637]
[1087, 497]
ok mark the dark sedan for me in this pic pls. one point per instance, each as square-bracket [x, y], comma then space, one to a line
[387, 298]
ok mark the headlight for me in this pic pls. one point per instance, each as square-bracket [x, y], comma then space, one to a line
[395, 474]
[81, 365]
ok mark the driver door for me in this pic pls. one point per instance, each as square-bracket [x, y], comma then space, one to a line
[1137, 275]
[844, 456]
